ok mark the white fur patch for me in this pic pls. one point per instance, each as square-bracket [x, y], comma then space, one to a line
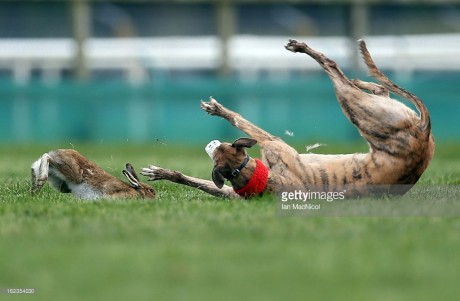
[36, 167]
[311, 147]
[84, 191]
[289, 133]
[80, 190]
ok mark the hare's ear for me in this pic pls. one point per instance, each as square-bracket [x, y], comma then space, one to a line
[131, 175]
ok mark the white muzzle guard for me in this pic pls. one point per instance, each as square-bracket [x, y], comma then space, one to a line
[211, 147]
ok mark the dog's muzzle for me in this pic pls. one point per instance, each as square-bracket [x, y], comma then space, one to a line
[211, 147]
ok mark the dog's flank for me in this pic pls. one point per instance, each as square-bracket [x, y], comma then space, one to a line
[400, 142]
[69, 172]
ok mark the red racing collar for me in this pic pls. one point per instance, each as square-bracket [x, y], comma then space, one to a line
[257, 182]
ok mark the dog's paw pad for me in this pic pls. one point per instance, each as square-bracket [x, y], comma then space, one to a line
[152, 172]
[212, 107]
[294, 46]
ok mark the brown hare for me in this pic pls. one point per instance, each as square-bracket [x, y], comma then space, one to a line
[70, 172]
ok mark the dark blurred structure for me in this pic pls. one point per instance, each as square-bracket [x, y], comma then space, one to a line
[78, 28]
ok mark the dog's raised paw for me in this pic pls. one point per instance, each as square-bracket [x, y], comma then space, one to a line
[294, 46]
[212, 107]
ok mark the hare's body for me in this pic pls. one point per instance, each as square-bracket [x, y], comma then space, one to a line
[70, 172]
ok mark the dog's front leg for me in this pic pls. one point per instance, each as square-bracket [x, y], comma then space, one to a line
[157, 173]
[212, 107]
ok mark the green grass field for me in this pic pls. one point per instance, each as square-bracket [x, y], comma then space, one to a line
[187, 245]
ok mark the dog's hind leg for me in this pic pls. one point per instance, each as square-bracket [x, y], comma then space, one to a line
[212, 107]
[348, 94]
[371, 87]
[425, 121]
[376, 119]
[331, 67]
[388, 125]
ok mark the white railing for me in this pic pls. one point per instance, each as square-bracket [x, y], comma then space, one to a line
[246, 54]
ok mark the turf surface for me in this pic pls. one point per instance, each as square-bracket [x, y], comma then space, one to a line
[187, 245]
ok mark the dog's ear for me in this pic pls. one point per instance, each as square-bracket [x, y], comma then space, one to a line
[244, 142]
[217, 178]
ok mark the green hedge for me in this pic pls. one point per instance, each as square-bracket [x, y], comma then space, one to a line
[168, 109]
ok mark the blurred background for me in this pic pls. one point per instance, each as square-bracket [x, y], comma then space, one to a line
[120, 71]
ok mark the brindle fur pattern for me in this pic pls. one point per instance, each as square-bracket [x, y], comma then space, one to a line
[400, 142]
[70, 172]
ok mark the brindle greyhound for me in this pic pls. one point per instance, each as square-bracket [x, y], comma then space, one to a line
[401, 144]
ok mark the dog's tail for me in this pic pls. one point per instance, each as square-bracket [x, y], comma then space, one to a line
[425, 122]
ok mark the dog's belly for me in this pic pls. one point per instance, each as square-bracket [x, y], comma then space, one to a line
[362, 174]
[359, 173]
[323, 159]
[336, 171]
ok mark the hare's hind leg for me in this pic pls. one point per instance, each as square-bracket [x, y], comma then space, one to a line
[39, 173]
